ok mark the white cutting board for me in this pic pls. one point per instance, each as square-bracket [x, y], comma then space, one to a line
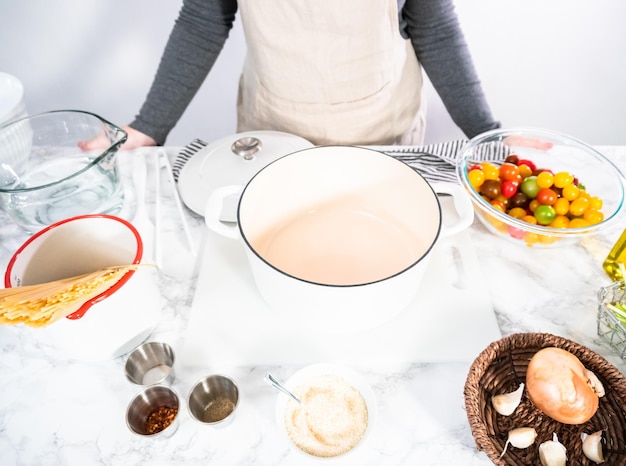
[450, 320]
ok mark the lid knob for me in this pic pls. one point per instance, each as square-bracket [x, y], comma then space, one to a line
[246, 147]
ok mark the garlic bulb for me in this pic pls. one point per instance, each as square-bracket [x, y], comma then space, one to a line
[522, 437]
[592, 446]
[552, 452]
[507, 403]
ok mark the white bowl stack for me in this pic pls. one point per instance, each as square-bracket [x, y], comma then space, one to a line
[12, 106]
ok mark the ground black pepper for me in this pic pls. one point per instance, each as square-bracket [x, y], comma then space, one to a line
[218, 409]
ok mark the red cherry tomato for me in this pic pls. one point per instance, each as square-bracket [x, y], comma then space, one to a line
[508, 188]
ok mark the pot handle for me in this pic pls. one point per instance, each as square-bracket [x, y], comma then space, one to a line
[462, 205]
[213, 211]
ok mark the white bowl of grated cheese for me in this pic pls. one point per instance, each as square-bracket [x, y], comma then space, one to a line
[337, 414]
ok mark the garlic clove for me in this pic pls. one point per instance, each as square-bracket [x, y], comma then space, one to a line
[507, 403]
[522, 437]
[592, 446]
[552, 452]
[595, 383]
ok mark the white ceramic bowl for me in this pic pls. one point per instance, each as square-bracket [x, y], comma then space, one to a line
[110, 324]
[12, 106]
[350, 376]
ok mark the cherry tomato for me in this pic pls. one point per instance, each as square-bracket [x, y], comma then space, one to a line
[529, 219]
[514, 159]
[595, 202]
[508, 188]
[509, 172]
[524, 171]
[498, 205]
[546, 196]
[517, 212]
[561, 206]
[578, 207]
[545, 179]
[532, 205]
[531, 238]
[476, 178]
[528, 163]
[490, 170]
[530, 187]
[593, 216]
[562, 179]
[570, 192]
[490, 188]
[544, 214]
[519, 199]
[579, 223]
[560, 221]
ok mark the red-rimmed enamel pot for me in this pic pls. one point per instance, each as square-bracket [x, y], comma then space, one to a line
[338, 237]
[115, 321]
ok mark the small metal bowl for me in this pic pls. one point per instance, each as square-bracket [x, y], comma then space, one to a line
[151, 363]
[213, 400]
[154, 412]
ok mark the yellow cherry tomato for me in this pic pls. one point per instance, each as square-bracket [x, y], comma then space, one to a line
[595, 203]
[525, 171]
[562, 179]
[517, 212]
[476, 178]
[531, 238]
[570, 192]
[578, 207]
[490, 170]
[560, 221]
[545, 179]
[578, 223]
[529, 219]
[593, 216]
[561, 206]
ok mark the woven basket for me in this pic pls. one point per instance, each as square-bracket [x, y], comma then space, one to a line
[501, 367]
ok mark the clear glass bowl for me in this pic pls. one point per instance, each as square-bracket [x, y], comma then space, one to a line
[46, 177]
[597, 173]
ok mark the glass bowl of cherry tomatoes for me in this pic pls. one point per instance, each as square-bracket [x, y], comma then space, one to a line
[540, 188]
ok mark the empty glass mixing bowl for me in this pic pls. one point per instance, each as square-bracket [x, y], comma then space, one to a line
[46, 177]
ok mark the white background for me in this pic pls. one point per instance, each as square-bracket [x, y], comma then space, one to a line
[557, 64]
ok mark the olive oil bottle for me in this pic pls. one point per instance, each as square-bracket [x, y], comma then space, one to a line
[615, 263]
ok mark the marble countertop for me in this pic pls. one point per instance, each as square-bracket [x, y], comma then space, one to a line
[60, 411]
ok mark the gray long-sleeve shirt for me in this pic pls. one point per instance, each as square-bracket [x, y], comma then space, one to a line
[202, 28]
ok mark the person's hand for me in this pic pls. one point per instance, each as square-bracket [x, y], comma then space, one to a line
[135, 140]
[528, 142]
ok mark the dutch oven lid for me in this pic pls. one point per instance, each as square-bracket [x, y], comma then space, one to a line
[232, 160]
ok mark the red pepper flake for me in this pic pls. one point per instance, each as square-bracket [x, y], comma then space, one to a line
[160, 419]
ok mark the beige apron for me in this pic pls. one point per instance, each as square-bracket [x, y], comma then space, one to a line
[331, 71]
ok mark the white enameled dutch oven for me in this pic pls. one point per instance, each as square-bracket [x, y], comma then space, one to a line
[338, 237]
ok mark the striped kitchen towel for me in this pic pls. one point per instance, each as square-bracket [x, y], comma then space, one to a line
[435, 162]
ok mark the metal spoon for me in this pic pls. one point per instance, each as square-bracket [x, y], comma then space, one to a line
[278, 386]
